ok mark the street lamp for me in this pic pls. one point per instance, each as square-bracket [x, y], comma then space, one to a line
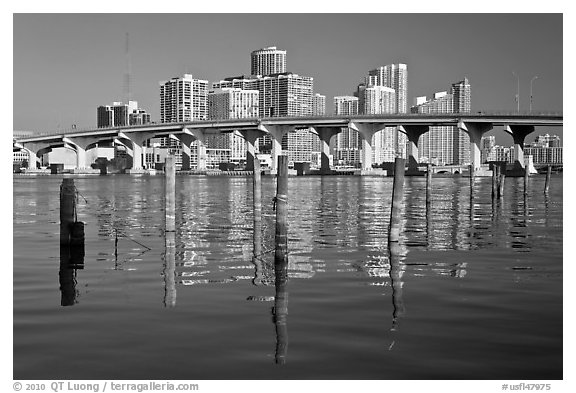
[517, 91]
[532, 80]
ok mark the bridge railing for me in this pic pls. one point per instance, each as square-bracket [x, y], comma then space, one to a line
[526, 114]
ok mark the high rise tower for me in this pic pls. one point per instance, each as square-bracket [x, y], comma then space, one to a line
[267, 61]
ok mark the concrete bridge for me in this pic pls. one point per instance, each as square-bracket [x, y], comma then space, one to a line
[413, 125]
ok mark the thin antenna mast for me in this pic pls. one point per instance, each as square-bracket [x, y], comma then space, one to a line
[127, 75]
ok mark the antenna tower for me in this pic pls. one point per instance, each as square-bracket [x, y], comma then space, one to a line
[127, 75]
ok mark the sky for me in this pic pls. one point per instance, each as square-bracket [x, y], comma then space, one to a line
[66, 65]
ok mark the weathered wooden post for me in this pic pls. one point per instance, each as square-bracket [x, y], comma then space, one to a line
[397, 194]
[67, 206]
[170, 190]
[428, 186]
[471, 169]
[257, 201]
[281, 260]
[170, 270]
[547, 184]
[281, 239]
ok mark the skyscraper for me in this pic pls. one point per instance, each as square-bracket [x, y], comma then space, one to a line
[444, 145]
[285, 94]
[267, 61]
[318, 105]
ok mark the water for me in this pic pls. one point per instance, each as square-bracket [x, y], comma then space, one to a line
[471, 291]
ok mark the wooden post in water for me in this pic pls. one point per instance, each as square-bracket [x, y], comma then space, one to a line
[471, 169]
[397, 194]
[428, 185]
[67, 206]
[281, 239]
[547, 184]
[170, 190]
[257, 201]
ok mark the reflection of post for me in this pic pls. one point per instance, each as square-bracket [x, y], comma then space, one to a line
[170, 189]
[170, 270]
[281, 239]
[67, 194]
[396, 282]
[428, 186]
[526, 174]
[281, 309]
[494, 180]
[67, 278]
[547, 184]
[501, 180]
[397, 194]
[471, 169]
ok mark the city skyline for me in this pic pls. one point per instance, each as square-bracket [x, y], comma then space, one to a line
[90, 48]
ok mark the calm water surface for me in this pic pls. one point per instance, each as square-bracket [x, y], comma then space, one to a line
[473, 291]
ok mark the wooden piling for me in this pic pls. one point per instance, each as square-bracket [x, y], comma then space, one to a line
[67, 206]
[428, 185]
[281, 239]
[170, 191]
[547, 184]
[397, 195]
[494, 180]
[257, 202]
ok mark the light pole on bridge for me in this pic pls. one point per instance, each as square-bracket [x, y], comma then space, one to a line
[532, 80]
[517, 91]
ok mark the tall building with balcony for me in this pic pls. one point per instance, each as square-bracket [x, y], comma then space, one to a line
[393, 76]
[285, 94]
[229, 103]
[445, 145]
[348, 143]
[183, 99]
[267, 61]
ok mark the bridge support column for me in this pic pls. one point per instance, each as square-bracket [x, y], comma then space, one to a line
[325, 134]
[413, 132]
[251, 136]
[32, 158]
[80, 144]
[137, 140]
[277, 133]
[475, 132]
[519, 134]
[186, 141]
[366, 131]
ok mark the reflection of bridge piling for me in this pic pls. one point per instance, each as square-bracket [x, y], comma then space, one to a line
[170, 270]
[396, 283]
[547, 184]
